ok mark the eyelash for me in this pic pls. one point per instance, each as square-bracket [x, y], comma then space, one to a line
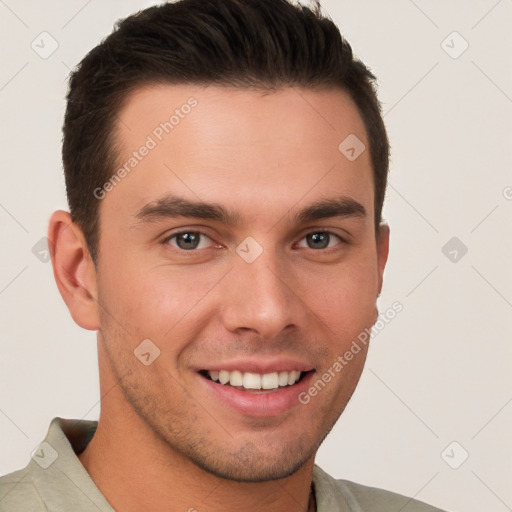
[330, 233]
[174, 235]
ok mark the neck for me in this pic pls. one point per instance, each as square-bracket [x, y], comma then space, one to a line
[136, 470]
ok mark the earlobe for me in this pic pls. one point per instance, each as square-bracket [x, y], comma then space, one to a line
[382, 253]
[73, 269]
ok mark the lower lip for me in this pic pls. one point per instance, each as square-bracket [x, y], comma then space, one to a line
[260, 405]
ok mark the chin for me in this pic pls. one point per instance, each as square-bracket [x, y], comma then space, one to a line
[260, 470]
[249, 463]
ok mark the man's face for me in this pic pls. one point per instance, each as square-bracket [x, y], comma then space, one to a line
[279, 274]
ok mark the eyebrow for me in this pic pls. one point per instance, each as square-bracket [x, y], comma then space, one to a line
[171, 206]
[328, 208]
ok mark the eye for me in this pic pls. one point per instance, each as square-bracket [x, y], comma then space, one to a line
[189, 240]
[320, 240]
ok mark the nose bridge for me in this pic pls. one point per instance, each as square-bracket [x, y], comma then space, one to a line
[259, 297]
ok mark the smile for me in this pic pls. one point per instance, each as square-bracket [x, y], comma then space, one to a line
[256, 388]
[250, 381]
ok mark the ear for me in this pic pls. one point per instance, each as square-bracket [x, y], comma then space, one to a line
[382, 252]
[73, 270]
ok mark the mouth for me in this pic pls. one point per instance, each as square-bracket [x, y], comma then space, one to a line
[257, 383]
[256, 388]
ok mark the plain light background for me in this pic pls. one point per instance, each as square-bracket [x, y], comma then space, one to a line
[440, 372]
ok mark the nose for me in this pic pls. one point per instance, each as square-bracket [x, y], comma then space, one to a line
[258, 297]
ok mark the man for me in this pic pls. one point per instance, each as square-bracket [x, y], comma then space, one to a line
[226, 165]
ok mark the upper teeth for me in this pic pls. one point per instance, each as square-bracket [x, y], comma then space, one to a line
[250, 380]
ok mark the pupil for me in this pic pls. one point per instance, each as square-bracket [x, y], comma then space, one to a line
[187, 240]
[318, 240]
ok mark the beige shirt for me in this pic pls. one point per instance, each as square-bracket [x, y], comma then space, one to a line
[55, 481]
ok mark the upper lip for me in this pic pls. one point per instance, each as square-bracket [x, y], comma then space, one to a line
[260, 366]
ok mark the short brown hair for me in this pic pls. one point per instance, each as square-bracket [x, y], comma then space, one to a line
[265, 44]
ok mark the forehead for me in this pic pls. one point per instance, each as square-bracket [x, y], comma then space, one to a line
[288, 115]
[242, 146]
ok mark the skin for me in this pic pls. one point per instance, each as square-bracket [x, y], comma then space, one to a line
[164, 442]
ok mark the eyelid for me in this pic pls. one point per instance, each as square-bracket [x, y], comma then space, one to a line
[345, 235]
[201, 229]
[180, 231]
[341, 239]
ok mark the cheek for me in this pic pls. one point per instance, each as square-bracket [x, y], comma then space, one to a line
[151, 302]
[346, 293]
[147, 305]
